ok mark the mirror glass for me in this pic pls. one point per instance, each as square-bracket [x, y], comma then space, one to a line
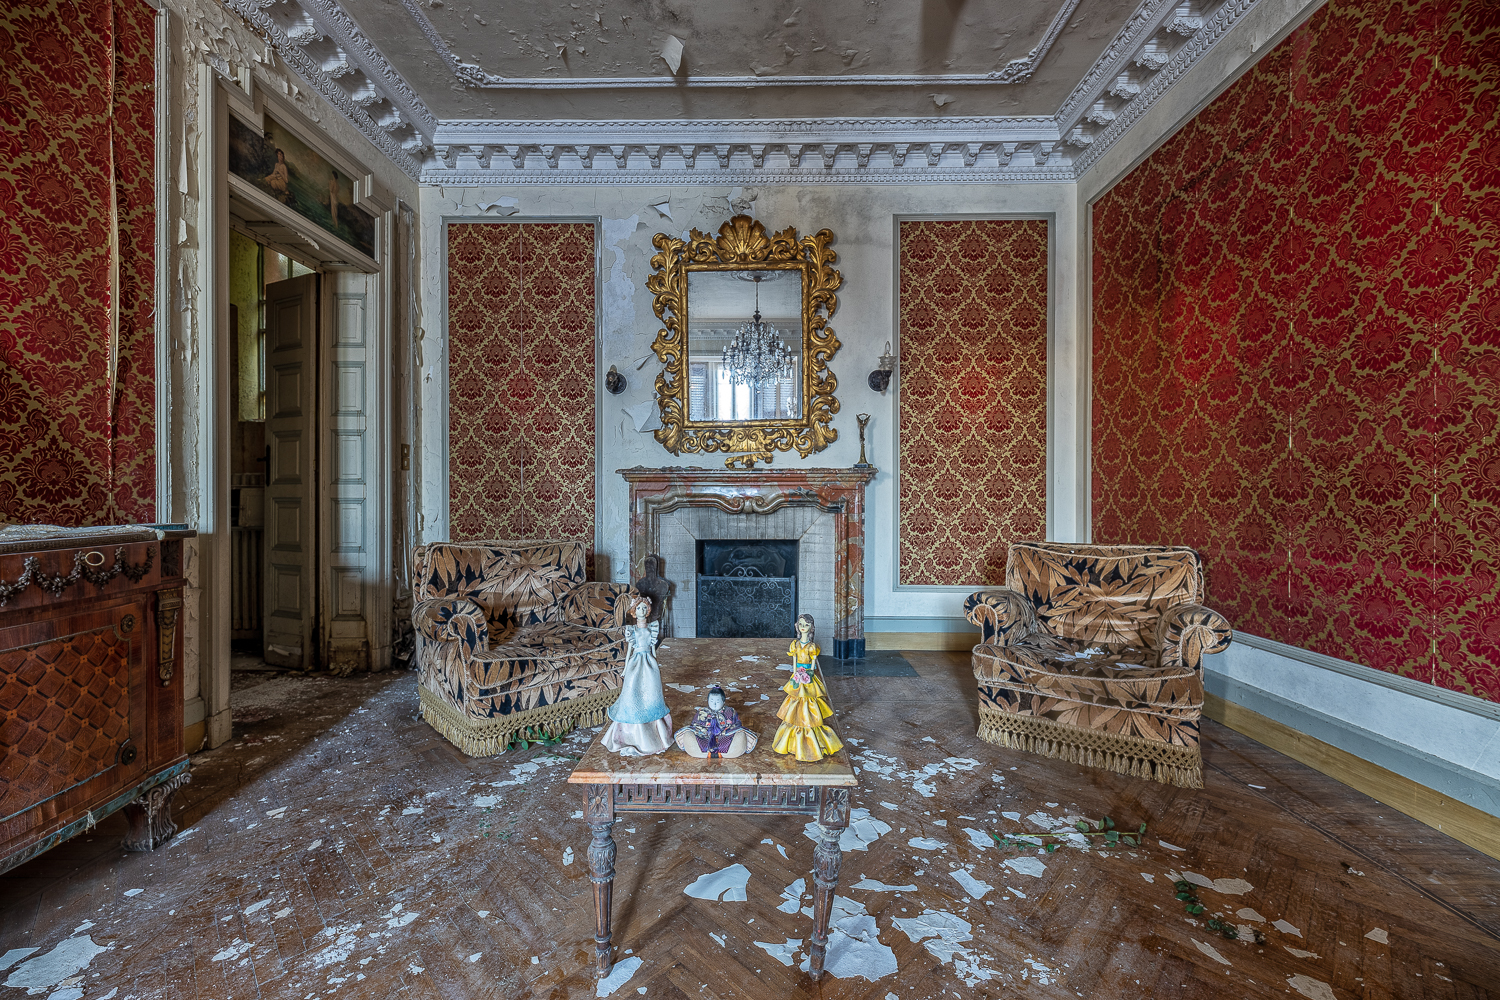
[725, 355]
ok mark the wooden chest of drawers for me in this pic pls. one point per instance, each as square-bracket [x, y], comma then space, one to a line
[90, 684]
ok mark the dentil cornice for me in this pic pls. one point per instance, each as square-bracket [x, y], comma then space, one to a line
[1158, 43]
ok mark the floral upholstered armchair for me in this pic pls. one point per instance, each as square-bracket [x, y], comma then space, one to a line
[513, 642]
[1094, 653]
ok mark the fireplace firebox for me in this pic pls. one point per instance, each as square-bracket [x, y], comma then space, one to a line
[747, 588]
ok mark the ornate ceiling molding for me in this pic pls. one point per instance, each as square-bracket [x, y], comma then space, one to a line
[472, 75]
[1201, 35]
[1159, 42]
[308, 43]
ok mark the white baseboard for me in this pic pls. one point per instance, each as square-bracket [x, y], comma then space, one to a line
[1447, 741]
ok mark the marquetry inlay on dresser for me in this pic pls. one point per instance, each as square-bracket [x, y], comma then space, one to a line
[90, 683]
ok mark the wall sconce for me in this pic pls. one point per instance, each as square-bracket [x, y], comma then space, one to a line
[614, 381]
[880, 378]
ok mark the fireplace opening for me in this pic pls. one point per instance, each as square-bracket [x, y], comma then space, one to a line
[747, 588]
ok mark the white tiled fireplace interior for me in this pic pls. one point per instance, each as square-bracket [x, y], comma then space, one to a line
[812, 528]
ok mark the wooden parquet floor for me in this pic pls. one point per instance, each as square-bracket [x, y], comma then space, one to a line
[339, 847]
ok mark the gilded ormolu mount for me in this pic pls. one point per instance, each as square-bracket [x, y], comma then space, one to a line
[742, 245]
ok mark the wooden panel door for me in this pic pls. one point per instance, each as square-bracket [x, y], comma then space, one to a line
[290, 522]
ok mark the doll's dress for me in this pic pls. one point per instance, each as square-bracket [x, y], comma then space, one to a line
[802, 733]
[720, 733]
[641, 723]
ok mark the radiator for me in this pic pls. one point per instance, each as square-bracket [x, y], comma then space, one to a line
[246, 588]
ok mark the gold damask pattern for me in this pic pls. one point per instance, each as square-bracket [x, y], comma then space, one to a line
[1296, 359]
[77, 262]
[973, 396]
[521, 380]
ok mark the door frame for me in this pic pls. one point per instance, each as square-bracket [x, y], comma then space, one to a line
[199, 450]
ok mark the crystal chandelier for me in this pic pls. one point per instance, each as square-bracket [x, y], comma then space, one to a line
[757, 355]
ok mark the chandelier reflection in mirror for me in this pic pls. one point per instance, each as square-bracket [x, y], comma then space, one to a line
[757, 356]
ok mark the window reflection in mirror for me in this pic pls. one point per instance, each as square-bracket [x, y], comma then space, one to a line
[722, 303]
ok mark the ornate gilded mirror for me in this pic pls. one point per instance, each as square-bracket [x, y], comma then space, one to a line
[745, 341]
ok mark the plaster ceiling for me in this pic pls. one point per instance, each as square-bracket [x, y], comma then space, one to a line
[762, 60]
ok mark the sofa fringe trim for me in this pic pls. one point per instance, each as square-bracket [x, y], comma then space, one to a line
[1140, 758]
[494, 736]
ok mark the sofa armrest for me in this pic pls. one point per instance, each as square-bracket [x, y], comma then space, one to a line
[1190, 632]
[1004, 616]
[598, 605]
[452, 619]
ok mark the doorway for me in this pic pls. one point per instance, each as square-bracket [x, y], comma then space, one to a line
[274, 324]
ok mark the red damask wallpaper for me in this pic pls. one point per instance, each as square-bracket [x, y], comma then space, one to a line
[1297, 342]
[77, 149]
[973, 396]
[521, 381]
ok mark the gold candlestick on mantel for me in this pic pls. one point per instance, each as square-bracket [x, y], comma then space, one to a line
[863, 418]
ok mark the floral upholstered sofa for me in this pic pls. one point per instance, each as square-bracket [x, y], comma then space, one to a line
[512, 641]
[1094, 653]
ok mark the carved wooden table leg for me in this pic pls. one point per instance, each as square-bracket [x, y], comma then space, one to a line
[833, 818]
[150, 815]
[599, 813]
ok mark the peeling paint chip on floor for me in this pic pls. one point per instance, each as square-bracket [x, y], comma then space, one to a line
[1171, 847]
[567, 855]
[1379, 935]
[618, 976]
[783, 953]
[1313, 989]
[874, 885]
[1246, 913]
[39, 974]
[854, 947]
[1026, 866]
[728, 883]
[791, 897]
[973, 886]
[1211, 952]
[1286, 928]
[1300, 953]
[924, 843]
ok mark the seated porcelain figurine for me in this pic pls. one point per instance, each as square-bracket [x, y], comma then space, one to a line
[715, 731]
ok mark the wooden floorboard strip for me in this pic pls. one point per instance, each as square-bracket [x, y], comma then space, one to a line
[1458, 820]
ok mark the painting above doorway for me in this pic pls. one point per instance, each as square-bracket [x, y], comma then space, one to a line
[283, 167]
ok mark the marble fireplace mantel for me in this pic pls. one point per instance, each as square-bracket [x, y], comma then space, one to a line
[841, 492]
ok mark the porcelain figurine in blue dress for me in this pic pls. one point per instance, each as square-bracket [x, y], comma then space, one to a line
[715, 731]
[641, 722]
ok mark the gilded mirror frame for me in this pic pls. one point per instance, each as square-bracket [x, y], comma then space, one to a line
[742, 245]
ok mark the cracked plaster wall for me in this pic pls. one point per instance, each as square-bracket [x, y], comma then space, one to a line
[863, 220]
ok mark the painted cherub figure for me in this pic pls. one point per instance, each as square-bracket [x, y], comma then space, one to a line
[715, 731]
[802, 733]
[641, 723]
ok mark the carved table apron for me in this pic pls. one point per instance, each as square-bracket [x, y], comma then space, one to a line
[760, 783]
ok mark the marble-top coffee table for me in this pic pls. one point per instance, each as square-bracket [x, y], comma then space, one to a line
[761, 782]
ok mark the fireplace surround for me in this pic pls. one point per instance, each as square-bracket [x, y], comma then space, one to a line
[831, 501]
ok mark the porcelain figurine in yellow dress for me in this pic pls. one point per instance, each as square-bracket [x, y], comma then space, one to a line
[802, 733]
